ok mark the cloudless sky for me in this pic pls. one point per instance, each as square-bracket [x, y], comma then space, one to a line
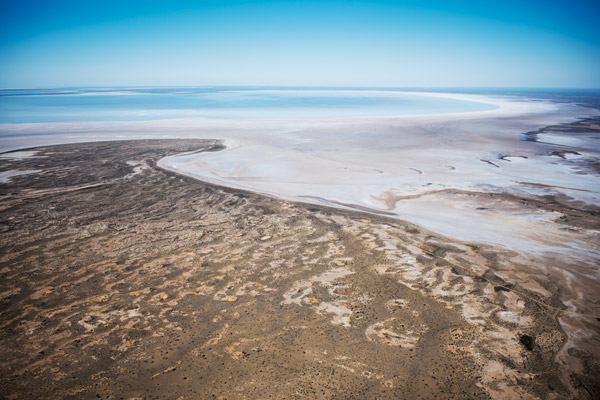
[485, 43]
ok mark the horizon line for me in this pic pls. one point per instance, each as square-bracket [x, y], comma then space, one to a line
[304, 87]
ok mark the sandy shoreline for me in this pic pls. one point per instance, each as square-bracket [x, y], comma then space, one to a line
[120, 279]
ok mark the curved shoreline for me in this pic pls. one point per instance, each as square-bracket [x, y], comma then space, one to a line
[336, 164]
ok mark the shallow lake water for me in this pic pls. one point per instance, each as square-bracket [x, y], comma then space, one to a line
[150, 104]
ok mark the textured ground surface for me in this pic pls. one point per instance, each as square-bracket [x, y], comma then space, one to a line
[121, 280]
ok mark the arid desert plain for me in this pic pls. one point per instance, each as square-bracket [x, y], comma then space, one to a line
[394, 257]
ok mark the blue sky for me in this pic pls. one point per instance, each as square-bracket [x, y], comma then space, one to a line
[59, 43]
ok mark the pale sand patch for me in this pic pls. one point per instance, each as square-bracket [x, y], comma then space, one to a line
[301, 291]
[393, 333]
[19, 154]
[5, 176]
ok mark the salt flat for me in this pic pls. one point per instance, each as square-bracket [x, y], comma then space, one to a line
[403, 166]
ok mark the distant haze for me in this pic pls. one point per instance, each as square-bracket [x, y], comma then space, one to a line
[300, 43]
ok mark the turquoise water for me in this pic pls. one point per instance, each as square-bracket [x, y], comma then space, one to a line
[123, 104]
